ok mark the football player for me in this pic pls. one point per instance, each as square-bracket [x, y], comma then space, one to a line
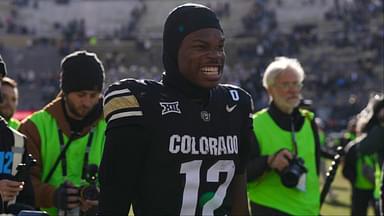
[179, 146]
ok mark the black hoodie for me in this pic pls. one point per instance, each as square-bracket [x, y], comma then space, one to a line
[182, 21]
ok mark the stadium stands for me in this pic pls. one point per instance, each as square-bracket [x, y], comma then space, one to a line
[342, 53]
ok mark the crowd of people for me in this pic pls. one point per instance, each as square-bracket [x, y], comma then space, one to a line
[208, 146]
[357, 35]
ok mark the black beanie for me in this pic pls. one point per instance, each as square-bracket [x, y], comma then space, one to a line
[3, 68]
[80, 71]
[181, 21]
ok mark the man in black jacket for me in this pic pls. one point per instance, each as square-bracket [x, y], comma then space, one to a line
[369, 143]
[16, 192]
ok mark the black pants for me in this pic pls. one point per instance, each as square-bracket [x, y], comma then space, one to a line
[258, 210]
[360, 201]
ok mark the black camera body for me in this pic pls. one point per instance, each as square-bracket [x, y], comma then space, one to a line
[90, 191]
[291, 174]
[23, 168]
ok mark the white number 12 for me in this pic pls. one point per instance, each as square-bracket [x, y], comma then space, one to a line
[192, 181]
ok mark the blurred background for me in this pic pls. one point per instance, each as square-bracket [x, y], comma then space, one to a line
[340, 44]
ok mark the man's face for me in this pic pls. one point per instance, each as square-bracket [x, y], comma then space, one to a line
[9, 102]
[80, 103]
[201, 57]
[286, 91]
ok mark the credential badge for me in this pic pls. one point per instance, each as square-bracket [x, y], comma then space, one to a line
[170, 107]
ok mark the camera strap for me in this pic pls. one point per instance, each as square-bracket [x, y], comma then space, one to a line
[87, 150]
[64, 148]
[86, 155]
[62, 153]
[293, 137]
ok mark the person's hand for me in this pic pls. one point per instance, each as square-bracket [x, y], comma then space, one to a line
[67, 196]
[10, 189]
[86, 205]
[280, 160]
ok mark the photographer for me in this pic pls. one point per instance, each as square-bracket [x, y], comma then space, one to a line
[369, 144]
[283, 168]
[67, 136]
[13, 153]
[10, 99]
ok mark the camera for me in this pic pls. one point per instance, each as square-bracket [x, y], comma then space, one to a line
[90, 191]
[23, 168]
[291, 174]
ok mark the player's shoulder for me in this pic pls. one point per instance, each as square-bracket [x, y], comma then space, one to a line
[130, 85]
[235, 92]
[125, 98]
[236, 95]
[234, 88]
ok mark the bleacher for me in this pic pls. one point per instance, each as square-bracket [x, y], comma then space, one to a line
[100, 17]
[150, 26]
[330, 69]
[291, 12]
[33, 68]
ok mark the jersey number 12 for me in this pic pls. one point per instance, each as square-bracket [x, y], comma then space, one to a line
[191, 170]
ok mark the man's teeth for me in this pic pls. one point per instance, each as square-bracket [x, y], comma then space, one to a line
[210, 70]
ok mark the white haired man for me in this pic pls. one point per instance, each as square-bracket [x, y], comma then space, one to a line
[283, 170]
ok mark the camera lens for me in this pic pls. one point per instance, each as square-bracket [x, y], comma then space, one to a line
[89, 193]
[291, 175]
[290, 179]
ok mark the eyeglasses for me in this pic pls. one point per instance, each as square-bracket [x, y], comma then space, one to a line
[289, 85]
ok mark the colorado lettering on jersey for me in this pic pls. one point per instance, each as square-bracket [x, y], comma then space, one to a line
[185, 144]
[6, 159]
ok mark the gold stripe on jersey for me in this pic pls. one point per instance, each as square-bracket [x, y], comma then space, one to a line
[116, 92]
[120, 103]
[125, 114]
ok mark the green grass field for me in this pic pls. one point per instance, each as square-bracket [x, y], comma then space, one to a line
[340, 205]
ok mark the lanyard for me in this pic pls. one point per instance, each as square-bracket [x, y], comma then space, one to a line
[64, 146]
[293, 137]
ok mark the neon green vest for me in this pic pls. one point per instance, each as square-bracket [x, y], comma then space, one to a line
[14, 123]
[369, 162]
[268, 190]
[378, 182]
[349, 136]
[50, 150]
[322, 137]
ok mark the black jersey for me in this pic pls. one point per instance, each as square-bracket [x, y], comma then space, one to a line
[190, 152]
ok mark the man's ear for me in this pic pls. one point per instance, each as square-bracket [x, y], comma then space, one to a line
[269, 91]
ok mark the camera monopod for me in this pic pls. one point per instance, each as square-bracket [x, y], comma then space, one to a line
[331, 173]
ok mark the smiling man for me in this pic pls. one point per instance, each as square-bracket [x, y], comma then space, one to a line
[179, 146]
[73, 124]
